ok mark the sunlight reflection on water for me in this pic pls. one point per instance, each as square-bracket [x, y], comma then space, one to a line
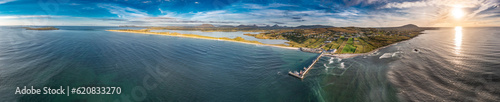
[458, 39]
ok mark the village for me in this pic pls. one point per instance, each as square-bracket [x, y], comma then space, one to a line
[341, 40]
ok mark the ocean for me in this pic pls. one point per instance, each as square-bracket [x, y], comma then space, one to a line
[449, 65]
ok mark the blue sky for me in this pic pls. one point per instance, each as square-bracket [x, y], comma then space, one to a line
[365, 13]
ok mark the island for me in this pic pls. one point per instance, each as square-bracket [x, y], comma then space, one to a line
[41, 28]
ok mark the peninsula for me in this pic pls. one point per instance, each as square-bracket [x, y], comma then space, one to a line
[41, 28]
[237, 39]
[339, 41]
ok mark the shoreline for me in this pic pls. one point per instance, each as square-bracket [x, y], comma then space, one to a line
[207, 38]
[342, 56]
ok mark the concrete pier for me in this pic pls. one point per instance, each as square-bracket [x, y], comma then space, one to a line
[301, 74]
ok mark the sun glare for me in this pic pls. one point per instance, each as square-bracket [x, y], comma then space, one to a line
[457, 12]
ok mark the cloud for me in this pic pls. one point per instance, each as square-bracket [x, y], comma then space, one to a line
[257, 6]
[296, 17]
[277, 22]
[161, 11]
[374, 13]
[5, 1]
[357, 2]
[88, 8]
[438, 12]
[74, 4]
[434, 3]
[112, 19]
[158, 18]
[123, 12]
[29, 16]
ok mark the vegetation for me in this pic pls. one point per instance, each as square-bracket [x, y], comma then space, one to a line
[348, 49]
[350, 41]
[357, 40]
[42, 28]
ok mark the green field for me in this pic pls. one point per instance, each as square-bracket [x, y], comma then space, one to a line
[362, 46]
[309, 43]
[349, 49]
[332, 45]
[350, 41]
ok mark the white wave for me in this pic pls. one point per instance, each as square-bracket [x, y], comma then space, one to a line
[397, 54]
[373, 54]
[342, 65]
[326, 67]
[331, 60]
[386, 55]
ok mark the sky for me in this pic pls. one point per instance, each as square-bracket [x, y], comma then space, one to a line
[341, 13]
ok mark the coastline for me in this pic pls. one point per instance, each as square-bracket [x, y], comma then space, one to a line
[343, 56]
[207, 38]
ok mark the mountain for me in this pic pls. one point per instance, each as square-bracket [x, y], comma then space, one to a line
[312, 26]
[206, 26]
[409, 26]
[228, 26]
[251, 26]
[276, 26]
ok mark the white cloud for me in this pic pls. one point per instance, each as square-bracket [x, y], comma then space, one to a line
[438, 12]
[5, 1]
[349, 13]
[74, 4]
[434, 3]
[123, 12]
[29, 16]
[257, 6]
[161, 11]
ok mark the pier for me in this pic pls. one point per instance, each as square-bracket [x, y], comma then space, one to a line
[301, 74]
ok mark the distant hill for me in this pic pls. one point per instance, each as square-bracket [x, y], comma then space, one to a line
[206, 26]
[410, 26]
[226, 26]
[407, 27]
[251, 26]
[312, 26]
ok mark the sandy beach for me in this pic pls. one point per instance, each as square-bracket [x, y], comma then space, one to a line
[208, 38]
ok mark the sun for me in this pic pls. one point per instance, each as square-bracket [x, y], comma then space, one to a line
[457, 12]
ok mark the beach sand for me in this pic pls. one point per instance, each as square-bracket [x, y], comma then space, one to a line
[208, 38]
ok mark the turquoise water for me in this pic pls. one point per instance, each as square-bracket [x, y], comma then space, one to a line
[165, 68]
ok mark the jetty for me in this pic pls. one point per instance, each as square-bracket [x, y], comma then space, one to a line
[302, 73]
